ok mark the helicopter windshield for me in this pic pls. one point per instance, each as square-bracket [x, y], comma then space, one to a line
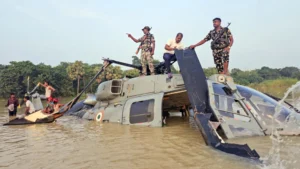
[226, 101]
[265, 106]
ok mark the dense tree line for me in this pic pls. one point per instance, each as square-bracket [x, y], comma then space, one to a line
[259, 75]
[69, 78]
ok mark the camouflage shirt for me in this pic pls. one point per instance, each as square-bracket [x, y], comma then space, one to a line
[213, 34]
[146, 42]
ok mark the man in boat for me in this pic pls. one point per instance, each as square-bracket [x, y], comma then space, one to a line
[221, 45]
[148, 48]
[49, 107]
[12, 105]
[56, 105]
[48, 89]
[29, 106]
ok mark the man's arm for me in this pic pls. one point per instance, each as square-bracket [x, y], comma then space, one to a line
[40, 84]
[17, 103]
[231, 41]
[153, 45]
[207, 38]
[51, 88]
[26, 110]
[153, 48]
[199, 43]
[167, 47]
[134, 39]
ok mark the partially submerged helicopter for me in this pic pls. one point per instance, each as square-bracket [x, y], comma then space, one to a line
[222, 110]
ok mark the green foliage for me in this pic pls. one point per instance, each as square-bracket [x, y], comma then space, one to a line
[67, 77]
[131, 73]
[210, 71]
[275, 87]
[290, 72]
[76, 71]
[136, 60]
[113, 72]
[268, 73]
[246, 77]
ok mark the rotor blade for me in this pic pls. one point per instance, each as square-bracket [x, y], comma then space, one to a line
[73, 101]
[34, 89]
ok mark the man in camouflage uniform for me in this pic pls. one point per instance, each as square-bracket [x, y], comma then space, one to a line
[221, 44]
[148, 47]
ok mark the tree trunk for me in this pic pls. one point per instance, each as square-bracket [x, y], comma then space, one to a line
[78, 79]
[83, 80]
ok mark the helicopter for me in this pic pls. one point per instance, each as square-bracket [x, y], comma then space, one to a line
[221, 109]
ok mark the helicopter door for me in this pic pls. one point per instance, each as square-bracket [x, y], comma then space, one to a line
[144, 110]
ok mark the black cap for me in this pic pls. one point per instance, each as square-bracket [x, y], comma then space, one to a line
[147, 27]
[217, 19]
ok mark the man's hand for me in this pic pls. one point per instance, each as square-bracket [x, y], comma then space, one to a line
[227, 49]
[152, 53]
[129, 35]
[192, 46]
[174, 48]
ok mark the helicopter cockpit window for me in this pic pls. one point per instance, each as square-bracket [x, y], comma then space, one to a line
[142, 111]
[225, 101]
[264, 105]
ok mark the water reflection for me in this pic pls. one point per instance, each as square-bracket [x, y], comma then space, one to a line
[75, 143]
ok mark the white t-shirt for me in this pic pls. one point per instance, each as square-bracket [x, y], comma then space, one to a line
[172, 43]
[30, 105]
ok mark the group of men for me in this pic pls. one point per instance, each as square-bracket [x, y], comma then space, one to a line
[222, 41]
[13, 102]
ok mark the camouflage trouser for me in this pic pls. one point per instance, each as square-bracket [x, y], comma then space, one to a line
[220, 56]
[146, 57]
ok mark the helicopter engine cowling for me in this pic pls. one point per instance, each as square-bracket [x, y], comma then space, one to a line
[109, 90]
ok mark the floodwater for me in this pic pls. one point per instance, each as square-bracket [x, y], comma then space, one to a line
[79, 144]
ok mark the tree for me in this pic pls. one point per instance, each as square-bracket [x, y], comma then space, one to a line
[210, 71]
[61, 80]
[136, 60]
[76, 71]
[131, 73]
[289, 72]
[111, 72]
[268, 73]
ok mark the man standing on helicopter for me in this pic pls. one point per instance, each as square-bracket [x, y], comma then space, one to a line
[221, 45]
[148, 48]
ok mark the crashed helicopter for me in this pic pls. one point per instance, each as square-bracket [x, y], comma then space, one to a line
[221, 109]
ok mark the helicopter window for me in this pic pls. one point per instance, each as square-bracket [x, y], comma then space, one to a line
[142, 111]
[226, 102]
[263, 104]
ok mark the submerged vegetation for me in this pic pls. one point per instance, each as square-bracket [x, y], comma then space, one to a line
[69, 78]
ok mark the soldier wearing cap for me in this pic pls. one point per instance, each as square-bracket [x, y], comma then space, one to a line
[221, 44]
[148, 47]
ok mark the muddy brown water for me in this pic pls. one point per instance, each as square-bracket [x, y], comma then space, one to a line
[79, 144]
